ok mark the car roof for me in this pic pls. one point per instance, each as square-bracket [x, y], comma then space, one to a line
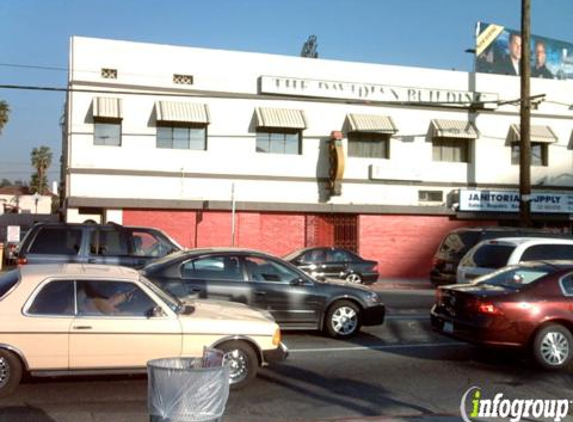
[78, 270]
[529, 240]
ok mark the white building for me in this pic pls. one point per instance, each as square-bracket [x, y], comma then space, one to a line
[382, 159]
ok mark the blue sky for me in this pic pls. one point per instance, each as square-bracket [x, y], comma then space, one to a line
[422, 33]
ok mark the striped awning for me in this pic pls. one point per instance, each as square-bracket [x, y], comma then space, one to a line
[184, 112]
[371, 123]
[280, 118]
[107, 108]
[536, 134]
[453, 129]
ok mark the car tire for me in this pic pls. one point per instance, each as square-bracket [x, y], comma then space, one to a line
[342, 319]
[354, 278]
[10, 372]
[553, 347]
[242, 361]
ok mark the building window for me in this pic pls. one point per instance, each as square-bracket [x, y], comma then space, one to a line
[368, 145]
[183, 79]
[182, 137]
[279, 141]
[539, 153]
[107, 132]
[109, 73]
[430, 195]
[453, 150]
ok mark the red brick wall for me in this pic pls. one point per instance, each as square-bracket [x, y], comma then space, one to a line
[275, 233]
[404, 245]
[180, 225]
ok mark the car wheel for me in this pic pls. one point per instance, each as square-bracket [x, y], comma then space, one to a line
[354, 278]
[343, 319]
[553, 346]
[10, 372]
[242, 361]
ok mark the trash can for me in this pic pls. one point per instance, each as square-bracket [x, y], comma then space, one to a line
[188, 389]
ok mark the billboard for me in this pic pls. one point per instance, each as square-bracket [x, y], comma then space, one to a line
[498, 50]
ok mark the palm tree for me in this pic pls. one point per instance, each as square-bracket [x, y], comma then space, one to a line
[4, 112]
[41, 161]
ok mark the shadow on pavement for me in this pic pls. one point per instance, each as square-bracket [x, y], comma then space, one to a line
[23, 414]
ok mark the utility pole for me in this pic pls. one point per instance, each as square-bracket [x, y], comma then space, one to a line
[525, 114]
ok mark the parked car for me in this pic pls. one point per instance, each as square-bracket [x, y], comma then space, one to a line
[335, 263]
[295, 299]
[459, 241]
[94, 319]
[522, 306]
[489, 255]
[114, 244]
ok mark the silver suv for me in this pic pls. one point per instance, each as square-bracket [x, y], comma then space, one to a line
[113, 244]
[490, 255]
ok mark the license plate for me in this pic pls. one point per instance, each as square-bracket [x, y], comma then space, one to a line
[448, 327]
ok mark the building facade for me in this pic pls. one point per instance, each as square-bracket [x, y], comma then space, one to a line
[222, 148]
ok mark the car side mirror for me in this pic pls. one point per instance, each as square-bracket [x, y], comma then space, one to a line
[298, 282]
[156, 311]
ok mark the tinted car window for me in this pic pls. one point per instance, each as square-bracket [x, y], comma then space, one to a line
[540, 252]
[315, 255]
[492, 256]
[7, 281]
[261, 269]
[108, 242]
[57, 241]
[567, 284]
[516, 276]
[213, 268]
[339, 255]
[149, 244]
[55, 298]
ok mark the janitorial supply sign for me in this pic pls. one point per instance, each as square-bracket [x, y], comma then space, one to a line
[508, 201]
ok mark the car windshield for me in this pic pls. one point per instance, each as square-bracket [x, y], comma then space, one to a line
[292, 255]
[515, 276]
[174, 304]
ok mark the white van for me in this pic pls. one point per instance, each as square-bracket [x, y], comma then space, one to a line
[489, 255]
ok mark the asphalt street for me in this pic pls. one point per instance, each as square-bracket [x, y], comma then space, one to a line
[399, 371]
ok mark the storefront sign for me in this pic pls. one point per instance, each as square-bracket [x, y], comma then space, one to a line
[13, 234]
[374, 92]
[508, 201]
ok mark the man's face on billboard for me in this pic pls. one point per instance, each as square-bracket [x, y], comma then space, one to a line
[515, 47]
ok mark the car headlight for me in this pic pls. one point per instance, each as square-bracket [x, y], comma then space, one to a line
[374, 297]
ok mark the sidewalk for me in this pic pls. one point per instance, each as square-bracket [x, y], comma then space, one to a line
[402, 284]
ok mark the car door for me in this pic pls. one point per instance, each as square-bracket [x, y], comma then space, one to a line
[110, 245]
[217, 277]
[123, 333]
[48, 316]
[337, 261]
[288, 295]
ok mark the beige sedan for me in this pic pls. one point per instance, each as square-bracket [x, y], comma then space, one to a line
[97, 319]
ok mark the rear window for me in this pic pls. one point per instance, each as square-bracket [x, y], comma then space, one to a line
[460, 243]
[516, 276]
[490, 256]
[57, 241]
[7, 281]
[544, 252]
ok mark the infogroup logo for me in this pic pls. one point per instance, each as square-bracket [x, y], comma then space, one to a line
[473, 407]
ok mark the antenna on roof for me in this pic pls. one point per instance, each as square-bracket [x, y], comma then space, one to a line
[309, 48]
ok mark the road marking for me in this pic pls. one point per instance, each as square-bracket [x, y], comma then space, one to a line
[381, 347]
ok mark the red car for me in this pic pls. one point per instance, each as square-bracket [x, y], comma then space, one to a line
[529, 305]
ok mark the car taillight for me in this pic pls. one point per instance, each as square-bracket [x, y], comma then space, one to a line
[21, 261]
[439, 295]
[488, 308]
[375, 268]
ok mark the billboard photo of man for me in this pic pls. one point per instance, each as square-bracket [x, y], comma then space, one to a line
[539, 69]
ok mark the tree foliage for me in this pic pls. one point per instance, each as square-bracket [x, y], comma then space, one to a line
[4, 114]
[41, 160]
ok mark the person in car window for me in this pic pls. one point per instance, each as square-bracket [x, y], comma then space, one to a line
[95, 303]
